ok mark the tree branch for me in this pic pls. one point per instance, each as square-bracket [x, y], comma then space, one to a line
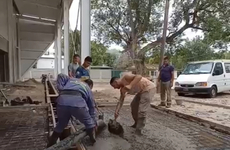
[117, 31]
[199, 28]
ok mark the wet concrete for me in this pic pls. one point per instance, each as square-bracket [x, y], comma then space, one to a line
[162, 132]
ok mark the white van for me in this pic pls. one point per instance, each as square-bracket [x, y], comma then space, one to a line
[204, 77]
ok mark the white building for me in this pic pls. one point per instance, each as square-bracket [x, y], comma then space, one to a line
[28, 28]
[47, 62]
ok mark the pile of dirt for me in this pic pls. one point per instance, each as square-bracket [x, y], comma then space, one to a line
[31, 81]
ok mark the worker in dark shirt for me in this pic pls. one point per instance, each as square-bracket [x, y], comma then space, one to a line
[82, 71]
[75, 99]
[166, 79]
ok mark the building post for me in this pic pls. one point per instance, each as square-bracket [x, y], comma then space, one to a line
[66, 35]
[55, 58]
[10, 40]
[85, 29]
[59, 54]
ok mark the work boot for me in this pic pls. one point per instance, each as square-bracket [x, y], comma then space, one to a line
[168, 106]
[91, 133]
[134, 125]
[53, 139]
[162, 104]
[138, 132]
[140, 125]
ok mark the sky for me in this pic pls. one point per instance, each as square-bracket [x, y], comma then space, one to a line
[73, 21]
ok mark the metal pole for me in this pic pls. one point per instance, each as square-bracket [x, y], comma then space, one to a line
[66, 36]
[164, 33]
[85, 29]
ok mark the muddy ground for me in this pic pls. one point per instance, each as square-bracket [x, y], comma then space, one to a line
[103, 93]
[162, 132]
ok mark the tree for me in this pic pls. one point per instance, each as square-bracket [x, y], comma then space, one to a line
[132, 23]
[98, 50]
[100, 55]
[74, 44]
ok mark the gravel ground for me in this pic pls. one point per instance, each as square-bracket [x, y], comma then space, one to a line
[162, 132]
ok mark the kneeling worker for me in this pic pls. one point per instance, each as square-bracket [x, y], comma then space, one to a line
[144, 90]
[75, 99]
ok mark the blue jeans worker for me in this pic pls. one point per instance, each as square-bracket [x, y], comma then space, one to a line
[166, 79]
[75, 99]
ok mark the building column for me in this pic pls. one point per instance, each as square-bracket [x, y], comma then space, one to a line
[55, 58]
[10, 39]
[66, 35]
[19, 51]
[85, 29]
[59, 56]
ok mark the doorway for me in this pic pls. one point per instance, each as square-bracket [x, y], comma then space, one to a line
[4, 69]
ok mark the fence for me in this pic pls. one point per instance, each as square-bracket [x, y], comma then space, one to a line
[96, 74]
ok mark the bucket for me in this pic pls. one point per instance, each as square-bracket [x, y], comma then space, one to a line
[179, 101]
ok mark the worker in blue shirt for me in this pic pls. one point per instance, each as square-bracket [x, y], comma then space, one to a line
[82, 71]
[75, 99]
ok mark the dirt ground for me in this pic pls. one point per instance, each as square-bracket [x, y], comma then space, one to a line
[33, 89]
[103, 92]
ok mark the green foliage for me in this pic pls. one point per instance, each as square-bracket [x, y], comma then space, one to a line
[101, 56]
[132, 23]
[99, 52]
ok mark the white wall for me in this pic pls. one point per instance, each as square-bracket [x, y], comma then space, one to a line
[100, 73]
[47, 63]
[95, 74]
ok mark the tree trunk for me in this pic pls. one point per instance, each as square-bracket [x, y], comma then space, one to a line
[140, 66]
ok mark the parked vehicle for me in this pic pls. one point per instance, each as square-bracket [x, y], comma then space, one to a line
[204, 77]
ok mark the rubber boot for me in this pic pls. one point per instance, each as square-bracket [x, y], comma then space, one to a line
[140, 125]
[91, 133]
[134, 125]
[162, 104]
[53, 139]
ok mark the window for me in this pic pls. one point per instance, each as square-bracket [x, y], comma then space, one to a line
[218, 70]
[198, 68]
[227, 67]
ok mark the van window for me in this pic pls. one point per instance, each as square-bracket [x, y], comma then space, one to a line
[198, 68]
[218, 70]
[227, 67]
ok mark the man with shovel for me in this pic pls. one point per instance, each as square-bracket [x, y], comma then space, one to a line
[144, 90]
[75, 99]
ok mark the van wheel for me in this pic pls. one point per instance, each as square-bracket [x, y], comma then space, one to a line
[213, 92]
[180, 94]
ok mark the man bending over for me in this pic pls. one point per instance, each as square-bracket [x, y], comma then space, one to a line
[144, 90]
[75, 99]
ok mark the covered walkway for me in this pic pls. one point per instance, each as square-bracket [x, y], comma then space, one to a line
[29, 27]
